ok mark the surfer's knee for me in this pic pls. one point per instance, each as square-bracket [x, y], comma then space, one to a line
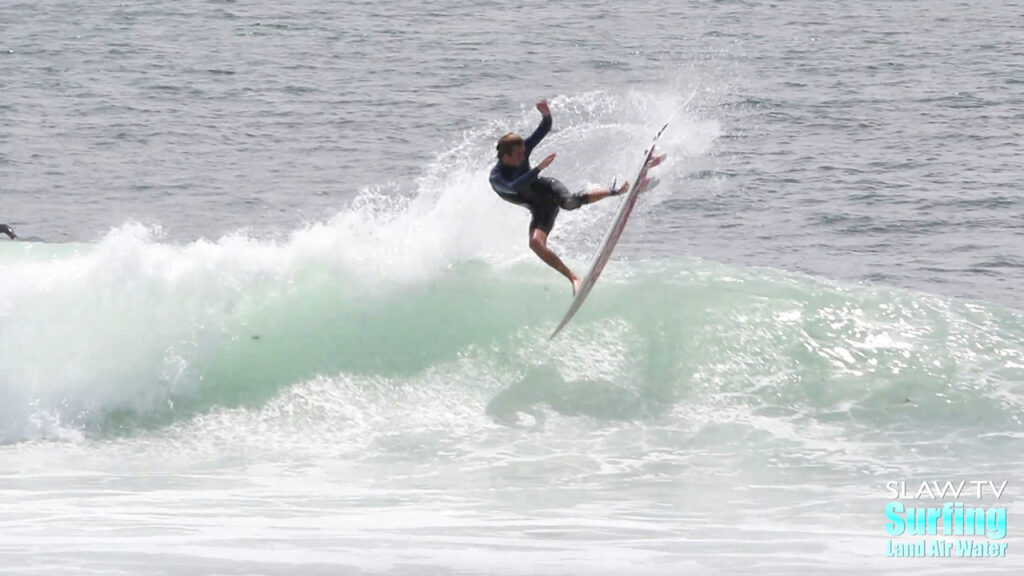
[574, 201]
[538, 240]
[566, 199]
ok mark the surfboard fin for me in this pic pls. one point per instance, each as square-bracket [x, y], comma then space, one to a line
[655, 160]
[649, 184]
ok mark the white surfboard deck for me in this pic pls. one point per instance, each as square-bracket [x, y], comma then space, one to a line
[610, 239]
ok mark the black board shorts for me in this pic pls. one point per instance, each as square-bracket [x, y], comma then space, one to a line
[545, 197]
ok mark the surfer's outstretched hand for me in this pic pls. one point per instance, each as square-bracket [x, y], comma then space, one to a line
[542, 107]
[546, 161]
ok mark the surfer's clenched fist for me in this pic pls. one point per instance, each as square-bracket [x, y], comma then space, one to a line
[542, 107]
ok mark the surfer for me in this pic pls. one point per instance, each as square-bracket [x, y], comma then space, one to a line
[5, 229]
[516, 182]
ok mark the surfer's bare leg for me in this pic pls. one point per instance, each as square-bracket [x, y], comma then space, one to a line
[570, 201]
[602, 194]
[539, 245]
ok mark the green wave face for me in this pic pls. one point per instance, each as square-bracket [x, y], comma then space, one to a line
[117, 337]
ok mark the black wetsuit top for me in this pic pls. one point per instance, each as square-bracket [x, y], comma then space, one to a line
[510, 181]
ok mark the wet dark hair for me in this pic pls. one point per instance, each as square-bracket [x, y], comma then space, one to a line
[508, 143]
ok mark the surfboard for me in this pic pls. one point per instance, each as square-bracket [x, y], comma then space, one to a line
[611, 238]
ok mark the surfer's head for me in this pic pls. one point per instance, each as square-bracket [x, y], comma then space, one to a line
[511, 150]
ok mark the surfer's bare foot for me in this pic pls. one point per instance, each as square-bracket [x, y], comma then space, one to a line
[620, 190]
[575, 284]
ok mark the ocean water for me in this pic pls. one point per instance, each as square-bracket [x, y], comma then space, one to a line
[267, 317]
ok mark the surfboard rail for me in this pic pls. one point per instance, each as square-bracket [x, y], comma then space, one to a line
[610, 240]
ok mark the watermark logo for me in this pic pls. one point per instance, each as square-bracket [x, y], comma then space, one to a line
[960, 519]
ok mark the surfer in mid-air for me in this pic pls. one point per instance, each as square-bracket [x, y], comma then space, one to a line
[516, 182]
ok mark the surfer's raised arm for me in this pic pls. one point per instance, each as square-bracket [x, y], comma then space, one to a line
[542, 130]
